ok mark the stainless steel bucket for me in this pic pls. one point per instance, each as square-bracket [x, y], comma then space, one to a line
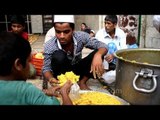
[138, 76]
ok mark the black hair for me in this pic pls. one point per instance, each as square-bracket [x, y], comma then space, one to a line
[12, 46]
[84, 24]
[19, 19]
[111, 18]
[87, 30]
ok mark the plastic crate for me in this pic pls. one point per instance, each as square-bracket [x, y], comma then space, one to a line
[38, 64]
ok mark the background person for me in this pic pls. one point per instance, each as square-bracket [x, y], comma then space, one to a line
[50, 34]
[92, 33]
[85, 28]
[18, 26]
[115, 38]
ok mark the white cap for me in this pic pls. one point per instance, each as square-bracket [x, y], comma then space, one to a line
[93, 31]
[64, 18]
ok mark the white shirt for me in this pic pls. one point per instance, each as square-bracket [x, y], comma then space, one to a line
[50, 34]
[119, 39]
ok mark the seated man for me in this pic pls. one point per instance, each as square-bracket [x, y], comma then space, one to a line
[115, 39]
[63, 52]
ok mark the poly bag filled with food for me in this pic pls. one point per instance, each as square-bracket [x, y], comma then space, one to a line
[74, 92]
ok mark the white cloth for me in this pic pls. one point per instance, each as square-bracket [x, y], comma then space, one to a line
[64, 18]
[50, 34]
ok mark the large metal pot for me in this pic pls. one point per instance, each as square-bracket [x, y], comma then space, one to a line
[138, 76]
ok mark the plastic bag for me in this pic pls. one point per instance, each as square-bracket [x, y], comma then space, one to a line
[74, 92]
[109, 77]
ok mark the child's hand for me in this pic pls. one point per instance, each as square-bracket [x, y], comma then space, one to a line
[52, 91]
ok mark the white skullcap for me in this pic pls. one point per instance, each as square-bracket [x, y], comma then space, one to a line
[64, 18]
[93, 31]
[156, 22]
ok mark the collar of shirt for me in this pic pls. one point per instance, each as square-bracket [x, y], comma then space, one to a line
[59, 45]
[106, 35]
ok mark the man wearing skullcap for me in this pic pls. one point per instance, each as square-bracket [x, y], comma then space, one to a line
[63, 52]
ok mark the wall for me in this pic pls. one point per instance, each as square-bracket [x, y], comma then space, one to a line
[149, 36]
[91, 20]
[37, 26]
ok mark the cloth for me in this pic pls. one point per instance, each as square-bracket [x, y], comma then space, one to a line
[112, 48]
[64, 18]
[50, 34]
[22, 93]
[80, 39]
[132, 46]
[25, 35]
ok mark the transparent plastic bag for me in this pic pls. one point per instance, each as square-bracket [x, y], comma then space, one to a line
[74, 92]
[109, 77]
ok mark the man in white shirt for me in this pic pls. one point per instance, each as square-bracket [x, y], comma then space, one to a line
[114, 38]
[50, 34]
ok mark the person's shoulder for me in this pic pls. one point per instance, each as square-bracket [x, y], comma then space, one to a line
[79, 33]
[50, 42]
[51, 30]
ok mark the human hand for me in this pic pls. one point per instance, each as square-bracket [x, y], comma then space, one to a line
[109, 58]
[53, 81]
[97, 67]
[52, 91]
[65, 89]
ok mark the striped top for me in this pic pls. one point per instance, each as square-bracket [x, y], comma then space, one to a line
[81, 40]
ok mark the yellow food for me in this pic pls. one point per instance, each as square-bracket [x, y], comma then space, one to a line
[96, 98]
[39, 56]
[67, 76]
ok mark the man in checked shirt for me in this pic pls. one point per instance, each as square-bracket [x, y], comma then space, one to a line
[63, 53]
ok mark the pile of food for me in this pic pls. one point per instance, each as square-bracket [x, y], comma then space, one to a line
[67, 76]
[96, 98]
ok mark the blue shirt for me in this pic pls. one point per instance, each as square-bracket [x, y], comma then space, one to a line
[80, 39]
